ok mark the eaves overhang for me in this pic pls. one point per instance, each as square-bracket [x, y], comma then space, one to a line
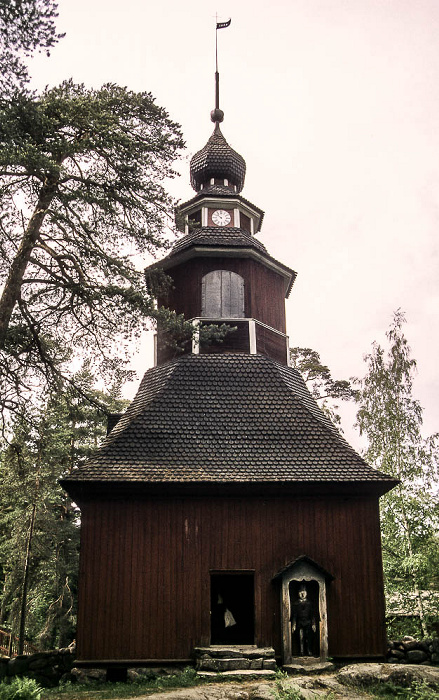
[198, 251]
[212, 198]
[303, 559]
[82, 491]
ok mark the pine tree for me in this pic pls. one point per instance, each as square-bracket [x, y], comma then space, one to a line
[26, 26]
[391, 420]
[322, 386]
[83, 200]
[36, 515]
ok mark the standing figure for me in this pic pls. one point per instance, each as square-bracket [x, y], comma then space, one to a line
[303, 621]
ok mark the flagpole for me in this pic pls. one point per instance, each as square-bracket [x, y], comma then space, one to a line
[216, 42]
[216, 65]
[216, 114]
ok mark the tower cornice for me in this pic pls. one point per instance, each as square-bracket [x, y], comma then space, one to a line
[195, 250]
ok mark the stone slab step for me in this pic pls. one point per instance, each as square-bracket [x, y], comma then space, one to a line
[218, 651]
[309, 667]
[245, 674]
[206, 663]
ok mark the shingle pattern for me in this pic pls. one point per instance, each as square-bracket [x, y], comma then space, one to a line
[224, 418]
[218, 236]
[217, 159]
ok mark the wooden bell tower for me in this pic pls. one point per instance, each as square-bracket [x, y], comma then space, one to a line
[221, 274]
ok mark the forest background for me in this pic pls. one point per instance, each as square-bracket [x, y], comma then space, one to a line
[84, 199]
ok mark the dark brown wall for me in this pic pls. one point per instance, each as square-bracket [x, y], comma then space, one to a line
[144, 573]
[264, 289]
[271, 344]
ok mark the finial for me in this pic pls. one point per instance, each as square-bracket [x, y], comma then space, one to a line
[217, 114]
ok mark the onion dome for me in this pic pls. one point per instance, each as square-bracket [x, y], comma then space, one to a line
[218, 161]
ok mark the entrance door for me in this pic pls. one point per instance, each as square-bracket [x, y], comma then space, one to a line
[305, 640]
[232, 608]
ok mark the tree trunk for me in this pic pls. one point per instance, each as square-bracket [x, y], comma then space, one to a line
[25, 583]
[12, 289]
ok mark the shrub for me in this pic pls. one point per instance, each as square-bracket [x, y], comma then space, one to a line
[20, 689]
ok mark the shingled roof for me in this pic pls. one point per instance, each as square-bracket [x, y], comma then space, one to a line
[218, 235]
[217, 159]
[225, 419]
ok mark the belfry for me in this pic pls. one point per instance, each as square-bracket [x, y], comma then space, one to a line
[224, 518]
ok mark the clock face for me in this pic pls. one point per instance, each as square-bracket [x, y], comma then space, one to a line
[221, 217]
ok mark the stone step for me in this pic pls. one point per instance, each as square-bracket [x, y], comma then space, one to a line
[234, 652]
[220, 665]
[223, 659]
[309, 668]
[261, 673]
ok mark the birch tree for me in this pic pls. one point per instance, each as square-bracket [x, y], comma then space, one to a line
[391, 420]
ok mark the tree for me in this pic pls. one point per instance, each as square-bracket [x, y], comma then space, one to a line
[25, 26]
[391, 420]
[319, 380]
[39, 525]
[83, 199]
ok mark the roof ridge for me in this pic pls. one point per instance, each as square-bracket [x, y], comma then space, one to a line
[139, 403]
[311, 405]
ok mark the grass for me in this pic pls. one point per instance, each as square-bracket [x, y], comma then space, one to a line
[143, 686]
[132, 689]
[418, 691]
[283, 689]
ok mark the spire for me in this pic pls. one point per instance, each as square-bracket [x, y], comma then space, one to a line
[217, 114]
[217, 160]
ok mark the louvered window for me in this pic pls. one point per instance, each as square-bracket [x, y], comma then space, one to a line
[222, 295]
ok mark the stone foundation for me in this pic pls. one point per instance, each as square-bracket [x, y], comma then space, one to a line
[46, 667]
[409, 651]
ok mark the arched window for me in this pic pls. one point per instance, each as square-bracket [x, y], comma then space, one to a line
[222, 295]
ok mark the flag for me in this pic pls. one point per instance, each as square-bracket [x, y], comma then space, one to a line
[223, 25]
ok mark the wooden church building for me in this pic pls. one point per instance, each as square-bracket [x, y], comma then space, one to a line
[223, 490]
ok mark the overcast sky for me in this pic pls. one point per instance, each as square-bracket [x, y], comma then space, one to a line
[334, 105]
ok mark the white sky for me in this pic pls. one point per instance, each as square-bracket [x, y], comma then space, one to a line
[334, 105]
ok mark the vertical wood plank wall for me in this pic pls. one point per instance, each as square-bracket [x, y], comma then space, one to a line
[264, 290]
[145, 581]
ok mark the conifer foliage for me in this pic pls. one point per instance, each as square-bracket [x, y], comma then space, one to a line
[83, 199]
[39, 525]
[25, 26]
[320, 382]
[391, 420]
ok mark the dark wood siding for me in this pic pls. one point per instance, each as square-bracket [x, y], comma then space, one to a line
[264, 290]
[271, 344]
[145, 563]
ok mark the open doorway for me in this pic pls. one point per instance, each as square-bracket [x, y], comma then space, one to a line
[232, 608]
[305, 618]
